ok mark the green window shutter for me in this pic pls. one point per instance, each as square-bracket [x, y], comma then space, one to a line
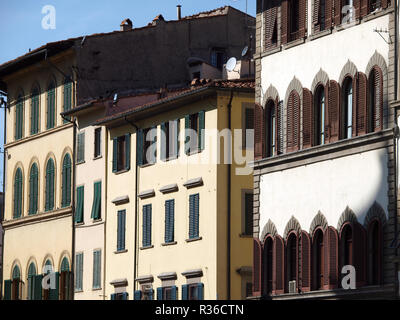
[128, 151]
[138, 295]
[151, 294]
[112, 296]
[96, 208]
[201, 129]
[147, 226]
[160, 293]
[164, 141]
[97, 269]
[54, 293]
[50, 185]
[169, 220]
[115, 155]
[35, 112]
[50, 107]
[79, 271]
[175, 141]
[174, 293]
[67, 97]
[38, 287]
[125, 296]
[33, 190]
[153, 155]
[18, 194]
[7, 289]
[194, 216]
[248, 213]
[187, 134]
[200, 291]
[80, 191]
[185, 292]
[81, 147]
[19, 113]
[139, 147]
[121, 230]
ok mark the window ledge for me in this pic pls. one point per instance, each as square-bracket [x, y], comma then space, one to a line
[194, 239]
[294, 43]
[145, 248]
[79, 224]
[243, 235]
[376, 14]
[320, 34]
[271, 51]
[97, 158]
[121, 251]
[97, 289]
[166, 244]
[147, 165]
[191, 153]
[121, 171]
[80, 162]
[78, 291]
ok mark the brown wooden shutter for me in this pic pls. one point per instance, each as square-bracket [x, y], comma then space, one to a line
[364, 7]
[302, 18]
[327, 130]
[384, 3]
[308, 132]
[257, 267]
[305, 262]
[296, 121]
[338, 12]
[278, 274]
[378, 112]
[334, 110]
[330, 258]
[359, 253]
[354, 115]
[328, 14]
[316, 16]
[357, 7]
[279, 127]
[289, 126]
[370, 252]
[361, 110]
[270, 16]
[285, 22]
[259, 132]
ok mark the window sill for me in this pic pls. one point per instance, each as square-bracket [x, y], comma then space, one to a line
[97, 221]
[294, 43]
[191, 153]
[121, 171]
[271, 51]
[166, 244]
[78, 291]
[96, 289]
[146, 248]
[243, 235]
[320, 34]
[147, 165]
[80, 162]
[79, 224]
[170, 159]
[97, 158]
[121, 251]
[194, 239]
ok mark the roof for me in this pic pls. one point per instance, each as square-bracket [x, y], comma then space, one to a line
[198, 86]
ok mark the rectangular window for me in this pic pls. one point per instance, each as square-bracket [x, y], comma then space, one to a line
[120, 296]
[147, 225]
[169, 220]
[79, 272]
[96, 208]
[167, 293]
[97, 269]
[97, 143]
[248, 213]
[122, 153]
[193, 291]
[194, 216]
[169, 140]
[147, 146]
[248, 125]
[80, 200]
[194, 135]
[121, 230]
[80, 153]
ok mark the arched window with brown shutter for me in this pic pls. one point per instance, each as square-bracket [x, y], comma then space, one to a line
[330, 258]
[320, 116]
[257, 267]
[267, 264]
[293, 122]
[375, 100]
[361, 110]
[334, 110]
[292, 260]
[375, 251]
[259, 132]
[305, 262]
[278, 284]
[308, 123]
[271, 141]
[348, 107]
[318, 260]
[359, 260]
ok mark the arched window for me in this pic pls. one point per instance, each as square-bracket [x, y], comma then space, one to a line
[48, 268]
[19, 117]
[374, 253]
[375, 101]
[67, 95]
[66, 182]
[65, 280]
[51, 105]
[33, 189]
[271, 129]
[267, 265]
[31, 281]
[347, 117]
[320, 112]
[293, 122]
[15, 286]
[347, 245]
[35, 111]
[18, 194]
[291, 258]
[49, 194]
[318, 260]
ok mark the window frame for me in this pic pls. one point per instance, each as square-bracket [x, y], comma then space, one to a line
[97, 143]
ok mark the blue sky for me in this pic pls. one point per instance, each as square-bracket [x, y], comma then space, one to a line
[21, 22]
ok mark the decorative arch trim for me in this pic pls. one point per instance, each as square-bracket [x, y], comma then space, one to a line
[270, 94]
[348, 69]
[320, 78]
[269, 228]
[377, 60]
[347, 216]
[15, 264]
[296, 85]
[318, 221]
[64, 254]
[375, 212]
[292, 225]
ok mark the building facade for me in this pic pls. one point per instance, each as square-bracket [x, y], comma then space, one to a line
[325, 199]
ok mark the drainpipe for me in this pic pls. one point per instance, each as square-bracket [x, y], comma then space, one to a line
[2, 212]
[228, 274]
[106, 139]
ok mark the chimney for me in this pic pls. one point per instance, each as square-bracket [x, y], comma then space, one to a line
[178, 9]
[126, 25]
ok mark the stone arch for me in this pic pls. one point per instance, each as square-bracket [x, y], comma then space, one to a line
[320, 78]
[348, 69]
[347, 216]
[64, 254]
[269, 228]
[293, 224]
[296, 85]
[318, 221]
[30, 261]
[17, 264]
[271, 93]
[375, 212]
[50, 258]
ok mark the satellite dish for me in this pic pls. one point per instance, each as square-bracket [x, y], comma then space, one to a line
[231, 64]
[245, 51]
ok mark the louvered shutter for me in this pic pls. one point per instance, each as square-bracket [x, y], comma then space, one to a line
[115, 155]
[385, 3]
[305, 262]
[327, 128]
[285, 22]
[153, 147]
[187, 134]
[270, 18]
[354, 115]
[357, 6]
[54, 293]
[7, 289]
[164, 141]
[364, 7]
[361, 110]
[185, 292]
[259, 132]
[293, 122]
[37, 295]
[308, 133]
[279, 126]
[174, 293]
[160, 293]
[119, 231]
[79, 207]
[191, 216]
[330, 258]
[257, 267]
[334, 110]
[302, 18]
[197, 215]
[202, 119]
[200, 291]
[328, 13]
[359, 253]
[316, 15]
[338, 12]
[278, 274]
[128, 151]
[137, 295]
[125, 296]
[123, 228]
[378, 112]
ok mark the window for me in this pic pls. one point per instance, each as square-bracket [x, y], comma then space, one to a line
[291, 270]
[194, 132]
[373, 5]
[167, 293]
[80, 154]
[80, 197]
[248, 128]
[18, 194]
[79, 272]
[194, 216]
[374, 253]
[267, 265]
[147, 146]
[318, 260]
[347, 108]
[51, 106]
[218, 58]
[97, 269]
[121, 230]
[66, 182]
[248, 214]
[19, 118]
[35, 111]
[294, 15]
[120, 296]
[16, 291]
[31, 281]
[147, 293]
[169, 221]
[375, 101]
[320, 112]
[49, 194]
[293, 122]
[169, 140]
[271, 131]
[146, 237]
[50, 293]
[65, 280]
[121, 153]
[67, 96]
[271, 23]
[347, 245]
[33, 189]
[349, 14]
[97, 143]
[193, 291]
[96, 208]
